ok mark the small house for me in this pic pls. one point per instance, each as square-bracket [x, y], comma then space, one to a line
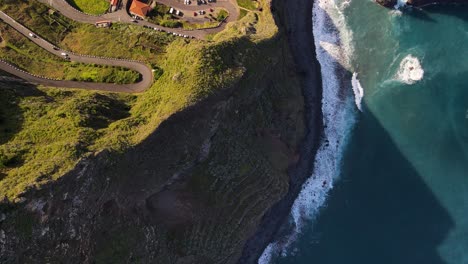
[139, 9]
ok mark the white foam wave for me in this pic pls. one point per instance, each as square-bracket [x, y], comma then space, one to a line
[332, 48]
[410, 70]
[268, 253]
[401, 4]
[358, 91]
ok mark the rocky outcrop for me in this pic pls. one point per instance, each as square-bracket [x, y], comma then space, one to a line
[419, 3]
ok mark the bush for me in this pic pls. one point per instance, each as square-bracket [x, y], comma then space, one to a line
[222, 15]
[171, 23]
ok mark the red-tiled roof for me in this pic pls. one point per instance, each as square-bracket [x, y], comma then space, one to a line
[139, 8]
[114, 2]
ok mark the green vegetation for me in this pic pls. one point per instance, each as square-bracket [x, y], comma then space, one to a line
[242, 13]
[94, 7]
[120, 41]
[159, 14]
[243, 83]
[18, 50]
[50, 130]
[222, 14]
[248, 4]
[170, 23]
[47, 131]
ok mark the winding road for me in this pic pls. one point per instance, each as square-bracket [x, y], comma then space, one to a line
[120, 16]
[123, 16]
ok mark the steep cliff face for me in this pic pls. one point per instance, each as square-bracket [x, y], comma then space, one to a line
[392, 3]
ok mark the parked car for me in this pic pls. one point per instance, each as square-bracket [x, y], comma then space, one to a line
[55, 48]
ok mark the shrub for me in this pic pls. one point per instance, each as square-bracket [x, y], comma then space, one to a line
[222, 15]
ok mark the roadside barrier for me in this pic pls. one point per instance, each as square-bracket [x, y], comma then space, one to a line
[28, 73]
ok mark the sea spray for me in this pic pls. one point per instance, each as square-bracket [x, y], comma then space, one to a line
[410, 70]
[358, 91]
[400, 4]
[333, 49]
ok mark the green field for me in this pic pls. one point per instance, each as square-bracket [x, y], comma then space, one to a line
[95, 7]
[248, 4]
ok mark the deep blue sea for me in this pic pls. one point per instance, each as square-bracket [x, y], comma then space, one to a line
[391, 181]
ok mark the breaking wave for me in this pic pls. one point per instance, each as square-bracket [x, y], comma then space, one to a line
[400, 4]
[333, 48]
[358, 91]
[410, 70]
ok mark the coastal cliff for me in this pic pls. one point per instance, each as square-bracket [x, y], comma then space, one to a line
[208, 179]
[419, 3]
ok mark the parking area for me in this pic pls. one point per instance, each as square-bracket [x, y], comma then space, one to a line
[187, 14]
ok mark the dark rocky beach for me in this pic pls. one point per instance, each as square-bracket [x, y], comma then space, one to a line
[295, 17]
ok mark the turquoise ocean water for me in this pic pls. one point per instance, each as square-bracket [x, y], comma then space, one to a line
[400, 193]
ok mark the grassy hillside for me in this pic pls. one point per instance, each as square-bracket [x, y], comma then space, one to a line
[18, 50]
[94, 7]
[48, 135]
[247, 4]
[179, 174]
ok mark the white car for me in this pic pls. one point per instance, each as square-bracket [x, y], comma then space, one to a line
[32, 35]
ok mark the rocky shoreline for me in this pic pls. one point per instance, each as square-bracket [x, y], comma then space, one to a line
[295, 18]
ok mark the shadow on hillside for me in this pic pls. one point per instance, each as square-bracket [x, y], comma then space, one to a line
[116, 189]
[11, 115]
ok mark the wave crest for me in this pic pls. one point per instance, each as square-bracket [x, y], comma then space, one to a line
[358, 91]
[410, 70]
